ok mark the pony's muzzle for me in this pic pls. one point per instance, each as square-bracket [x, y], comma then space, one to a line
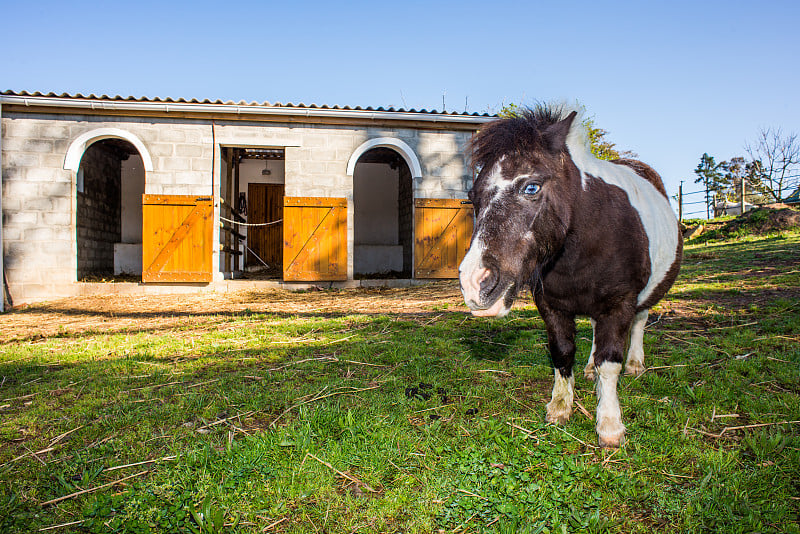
[482, 292]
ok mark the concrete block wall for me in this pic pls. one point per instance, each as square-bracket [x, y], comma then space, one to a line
[39, 195]
[310, 172]
[318, 163]
[39, 250]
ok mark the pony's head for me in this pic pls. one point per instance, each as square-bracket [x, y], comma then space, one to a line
[522, 197]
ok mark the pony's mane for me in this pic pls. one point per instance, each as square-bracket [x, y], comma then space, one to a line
[522, 134]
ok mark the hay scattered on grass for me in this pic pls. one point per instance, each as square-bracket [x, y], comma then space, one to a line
[184, 315]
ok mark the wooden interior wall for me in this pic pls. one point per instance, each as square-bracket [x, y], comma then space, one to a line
[265, 205]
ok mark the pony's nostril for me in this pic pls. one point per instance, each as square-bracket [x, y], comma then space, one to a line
[488, 282]
[477, 278]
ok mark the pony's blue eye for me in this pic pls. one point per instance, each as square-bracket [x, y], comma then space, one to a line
[532, 189]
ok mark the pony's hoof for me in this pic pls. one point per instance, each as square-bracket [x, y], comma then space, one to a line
[588, 373]
[610, 433]
[634, 369]
[557, 414]
[613, 441]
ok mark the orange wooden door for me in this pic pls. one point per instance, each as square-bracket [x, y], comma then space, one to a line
[265, 205]
[177, 236]
[442, 232]
[314, 239]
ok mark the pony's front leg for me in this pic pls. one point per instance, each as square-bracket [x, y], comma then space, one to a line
[610, 336]
[561, 339]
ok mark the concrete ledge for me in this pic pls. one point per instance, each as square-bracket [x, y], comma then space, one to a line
[394, 282]
[46, 292]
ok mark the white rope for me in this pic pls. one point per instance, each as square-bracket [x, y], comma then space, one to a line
[248, 224]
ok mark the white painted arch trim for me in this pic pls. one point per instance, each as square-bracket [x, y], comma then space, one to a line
[75, 152]
[387, 142]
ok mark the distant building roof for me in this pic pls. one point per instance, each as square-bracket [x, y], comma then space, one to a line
[793, 198]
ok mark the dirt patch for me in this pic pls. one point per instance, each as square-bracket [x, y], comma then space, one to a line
[123, 313]
[699, 310]
[741, 300]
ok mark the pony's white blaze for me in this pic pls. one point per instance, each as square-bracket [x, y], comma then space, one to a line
[658, 220]
[470, 275]
[470, 265]
[471, 271]
[497, 185]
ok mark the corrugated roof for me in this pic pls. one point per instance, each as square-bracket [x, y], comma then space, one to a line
[242, 103]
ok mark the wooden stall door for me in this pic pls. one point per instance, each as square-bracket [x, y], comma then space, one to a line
[442, 232]
[265, 204]
[314, 239]
[177, 236]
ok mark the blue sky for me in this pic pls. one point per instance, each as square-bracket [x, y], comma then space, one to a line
[668, 80]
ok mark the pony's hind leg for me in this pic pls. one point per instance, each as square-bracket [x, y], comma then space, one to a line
[634, 365]
[588, 371]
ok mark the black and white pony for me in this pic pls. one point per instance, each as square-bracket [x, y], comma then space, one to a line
[589, 237]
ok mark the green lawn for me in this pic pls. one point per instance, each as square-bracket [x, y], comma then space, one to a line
[320, 422]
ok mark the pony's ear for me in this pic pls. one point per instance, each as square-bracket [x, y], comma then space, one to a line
[556, 135]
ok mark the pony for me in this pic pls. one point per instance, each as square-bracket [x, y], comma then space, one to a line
[589, 237]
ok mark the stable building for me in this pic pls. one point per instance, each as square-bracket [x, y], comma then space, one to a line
[177, 195]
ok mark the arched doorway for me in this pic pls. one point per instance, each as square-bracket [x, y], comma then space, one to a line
[110, 184]
[382, 215]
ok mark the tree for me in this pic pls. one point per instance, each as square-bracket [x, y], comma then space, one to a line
[755, 174]
[738, 169]
[708, 173]
[776, 160]
[600, 146]
[509, 111]
[734, 171]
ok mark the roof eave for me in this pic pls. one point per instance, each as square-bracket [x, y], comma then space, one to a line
[236, 111]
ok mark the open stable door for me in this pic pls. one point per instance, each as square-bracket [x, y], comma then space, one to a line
[442, 233]
[177, 238]
[314, 239]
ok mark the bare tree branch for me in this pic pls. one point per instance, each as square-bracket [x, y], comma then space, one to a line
[778, 160]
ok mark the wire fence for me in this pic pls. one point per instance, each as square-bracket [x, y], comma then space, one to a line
[707, 201]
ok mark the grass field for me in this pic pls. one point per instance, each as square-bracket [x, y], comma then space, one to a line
[273, 416]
